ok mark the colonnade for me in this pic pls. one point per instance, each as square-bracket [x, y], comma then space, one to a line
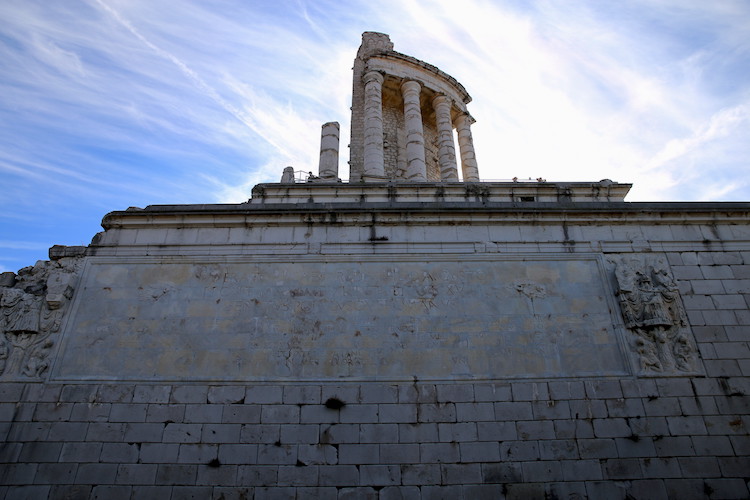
[416, 168]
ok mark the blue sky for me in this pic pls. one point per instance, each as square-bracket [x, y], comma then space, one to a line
[106, 104]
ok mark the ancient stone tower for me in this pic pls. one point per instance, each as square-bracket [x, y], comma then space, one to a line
[403, 115]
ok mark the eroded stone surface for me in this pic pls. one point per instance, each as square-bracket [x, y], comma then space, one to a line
[338, 319]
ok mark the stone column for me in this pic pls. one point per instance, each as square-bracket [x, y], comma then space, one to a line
[416, 169]
[328, 168]
[374, 165]
[446, 148]
[466, 145]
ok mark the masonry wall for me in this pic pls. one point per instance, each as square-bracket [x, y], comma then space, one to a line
[598, 437]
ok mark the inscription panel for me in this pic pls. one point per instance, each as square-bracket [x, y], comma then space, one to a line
[452, 318]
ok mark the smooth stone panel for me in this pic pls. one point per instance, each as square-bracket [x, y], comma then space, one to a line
[334, 318]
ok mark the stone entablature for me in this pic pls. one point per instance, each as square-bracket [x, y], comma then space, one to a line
[453, 192]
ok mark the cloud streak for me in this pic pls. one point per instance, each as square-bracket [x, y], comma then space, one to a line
[106, 104]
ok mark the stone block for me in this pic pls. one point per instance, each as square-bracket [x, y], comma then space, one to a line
[562, 390]
[78, 393]
[700, 467]
[203, 413]
[146, 492]
[300, 433]
[558, 449]
[635, 446]
[53, 412]
[550, 409]
[726, 488]
[455, 393]
[165, 413]
[348, 394]
[224, 475]
[519, 450]
[529, 391]
[128, 412]
[182, 433]
[143, 432]
[543, 471]
[417, 433]
[531, 430]
[40, 451]
[654, 406]
[503, 472]
[439, 452]
[496, 431]
[115, 393]
[80, 452]
[338, 475]
[71, 492]
[461, 473]
[400, 492]
[240, 454]
[151, 393]
[101, 431]
[682, 426]
[581, 470]
[378, 393]
[579, 429]
[733, 301]
[119, 453]
[27, 492]
[493, 392]
[621, 468]
[294, 475]
[90, 412]
[722, 368]
[589, 409]
[398, 453]
[703, 405]
[67, 431]
[226, 394]
[189, 394]
[339, 433]
[380, 475]
[378, 433]
[358, 454]
[520, 410]
[302, 394]
[397, 413]
[172, 474]
[45, 474]
[191, 492]
[712, 446]
[221, 433]
[488, 451]
[317, 454]
[96, 474]
[318, 414]
[474, 412]
[458, 432]
[159, 453]
[133, 474]
[280, 414]
[197, 453]
[277, 454]
[597, 448]
[361, 413]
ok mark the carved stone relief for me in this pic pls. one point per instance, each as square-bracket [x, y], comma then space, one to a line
[32, 306]
[652, 310]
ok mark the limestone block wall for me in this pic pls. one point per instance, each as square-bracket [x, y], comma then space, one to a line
[73, 434]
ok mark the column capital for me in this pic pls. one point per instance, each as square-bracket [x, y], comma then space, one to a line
[465, 117]
[373, 76]
[410, 86]
[439, 99]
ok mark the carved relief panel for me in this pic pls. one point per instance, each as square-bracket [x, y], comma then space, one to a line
[32, 307]
[652, 310]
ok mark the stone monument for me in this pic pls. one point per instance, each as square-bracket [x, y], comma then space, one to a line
[411, 333]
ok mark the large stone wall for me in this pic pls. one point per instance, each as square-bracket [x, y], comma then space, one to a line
[116, 414]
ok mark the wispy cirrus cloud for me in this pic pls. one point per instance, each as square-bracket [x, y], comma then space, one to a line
[110, 103]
